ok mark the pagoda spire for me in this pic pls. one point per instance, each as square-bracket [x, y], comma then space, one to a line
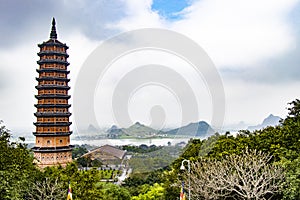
[53, 34]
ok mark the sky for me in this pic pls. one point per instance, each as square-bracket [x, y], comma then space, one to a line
[254, 45]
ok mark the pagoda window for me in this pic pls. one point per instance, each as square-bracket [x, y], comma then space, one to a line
[48, 141]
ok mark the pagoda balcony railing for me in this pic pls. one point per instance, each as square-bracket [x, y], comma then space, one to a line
[45, 61]
[52, 52]
[52, 123]
[52, 105]
[53, 149]
[51, 134]
[52, 70]
[52, 78]
[50, 114]
[52, 86]
[47, 96]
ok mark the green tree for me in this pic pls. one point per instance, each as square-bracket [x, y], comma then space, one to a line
[114, 192]
[17, 170]
[155, 192]
[78, 151]
[290, 151]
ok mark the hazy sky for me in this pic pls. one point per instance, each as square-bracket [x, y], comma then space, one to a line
[255, 46]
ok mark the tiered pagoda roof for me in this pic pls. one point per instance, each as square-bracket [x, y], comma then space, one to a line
[52, 126]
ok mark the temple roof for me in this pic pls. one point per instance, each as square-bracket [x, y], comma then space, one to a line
[53, 149]
[106, 149]
[51, 134]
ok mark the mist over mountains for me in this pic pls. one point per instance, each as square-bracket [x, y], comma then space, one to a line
[271, 120]
[199, 129]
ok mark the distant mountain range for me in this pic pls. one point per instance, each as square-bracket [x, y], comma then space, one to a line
[198, 129]
[136, 130]
[271, 120]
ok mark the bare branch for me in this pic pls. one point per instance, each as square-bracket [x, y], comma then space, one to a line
[245, 176]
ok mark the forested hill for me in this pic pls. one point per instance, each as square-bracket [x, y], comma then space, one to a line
[198, 129]
[136, 130]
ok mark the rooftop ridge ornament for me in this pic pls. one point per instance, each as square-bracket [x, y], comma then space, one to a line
[53, 34]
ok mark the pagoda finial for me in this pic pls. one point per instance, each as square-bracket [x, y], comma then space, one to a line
[53, 34]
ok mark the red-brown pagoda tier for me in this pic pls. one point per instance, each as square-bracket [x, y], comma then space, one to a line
[52, 144]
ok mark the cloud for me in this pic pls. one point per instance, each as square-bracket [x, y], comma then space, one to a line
[139, 15]
[5, 81]
[95, 19]
[284, 68]
[245, 39]
[239, 33]
[20, 19]
[23, 20]
[253, 43]
[252, 102]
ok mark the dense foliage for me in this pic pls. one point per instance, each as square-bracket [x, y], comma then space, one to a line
[160, 158]
[141, 149]
[281, 142]
[78, 151]
[154, 177]
[17, 171]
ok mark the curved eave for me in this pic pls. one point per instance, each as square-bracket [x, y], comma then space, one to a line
[50, 96]
[40, 87]
[54, 124]
[52, 114]
[47, 61]
[49, 134]
[52, 42]
[52, 105]
[58, 53]
[52, 149]
[52, 79]
[53, 70]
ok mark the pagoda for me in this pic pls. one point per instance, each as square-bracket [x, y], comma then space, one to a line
[52, 143]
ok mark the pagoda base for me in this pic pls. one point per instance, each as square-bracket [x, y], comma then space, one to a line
[47, 159]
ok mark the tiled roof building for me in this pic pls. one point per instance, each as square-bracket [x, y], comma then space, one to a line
[107, 154]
